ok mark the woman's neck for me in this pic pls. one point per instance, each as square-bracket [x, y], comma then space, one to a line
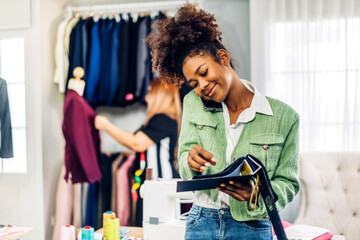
[239, 97]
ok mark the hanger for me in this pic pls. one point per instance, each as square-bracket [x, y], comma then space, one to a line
[76, 12]
[91, 12]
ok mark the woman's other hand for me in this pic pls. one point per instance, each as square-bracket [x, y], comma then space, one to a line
[101, 122]
[198, 158]
[239, 191]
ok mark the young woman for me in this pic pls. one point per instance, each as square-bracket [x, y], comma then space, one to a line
[158, 136]
[224, 118]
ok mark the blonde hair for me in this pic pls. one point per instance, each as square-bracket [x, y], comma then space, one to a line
[165, 99]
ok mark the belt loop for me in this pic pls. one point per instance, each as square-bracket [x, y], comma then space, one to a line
[200, 209]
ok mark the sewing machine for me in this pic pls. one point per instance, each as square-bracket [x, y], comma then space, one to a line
[164, 210]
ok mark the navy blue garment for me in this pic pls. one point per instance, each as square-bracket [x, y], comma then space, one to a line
[92, 203]
[148, 68]
[6, 142]
[106, 79]
[75, 50]
[149, 73]
[103, 84]
[142, 56]
[123, 63]
[115, 63]
[94, 64]
[133, 46]
[106, 181]
[86, 44]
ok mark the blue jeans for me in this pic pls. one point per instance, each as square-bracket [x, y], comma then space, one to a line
[218, 224]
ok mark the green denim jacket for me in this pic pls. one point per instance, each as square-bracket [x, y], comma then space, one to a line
[279, 131]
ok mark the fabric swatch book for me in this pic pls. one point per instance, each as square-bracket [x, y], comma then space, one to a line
[242, 169]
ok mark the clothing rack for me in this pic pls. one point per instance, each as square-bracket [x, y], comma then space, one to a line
[137, 7]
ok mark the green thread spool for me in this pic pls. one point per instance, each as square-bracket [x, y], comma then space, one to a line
[112, 229]
[106, 215]
[87, 233]
[137, 179]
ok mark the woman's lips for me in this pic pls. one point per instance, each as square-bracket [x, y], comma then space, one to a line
[212, 90]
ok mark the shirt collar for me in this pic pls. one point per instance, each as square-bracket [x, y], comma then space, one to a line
[259, 104]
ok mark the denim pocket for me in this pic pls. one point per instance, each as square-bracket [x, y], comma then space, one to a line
[192, 218]
[258, 225]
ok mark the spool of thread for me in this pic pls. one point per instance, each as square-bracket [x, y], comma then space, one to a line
[106, 215]
[87, 233]
[67, 232]
[149, 173]
[112, 229]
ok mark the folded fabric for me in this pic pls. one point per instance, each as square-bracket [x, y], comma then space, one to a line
[305, 232]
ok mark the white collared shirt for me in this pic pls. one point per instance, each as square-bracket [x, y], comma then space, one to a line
[259, 104]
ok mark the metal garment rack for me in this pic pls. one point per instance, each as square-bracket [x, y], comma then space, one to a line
[135, 8]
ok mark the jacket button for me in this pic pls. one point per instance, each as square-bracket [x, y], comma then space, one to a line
[265, 147]
[200, 127]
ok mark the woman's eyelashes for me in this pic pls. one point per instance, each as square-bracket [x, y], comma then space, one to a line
[204, 73]
[194, 83]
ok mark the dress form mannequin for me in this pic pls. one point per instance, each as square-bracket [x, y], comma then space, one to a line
[77, 84]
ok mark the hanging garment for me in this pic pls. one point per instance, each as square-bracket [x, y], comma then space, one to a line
[123, 191]
[106, 42]
[163, 131]
[59, 55]
[92, 205]
[75, 50]
[124, 62]
[82, 149]
[142, 56]
[133, 46]
[115, 70]
[94, 64]
[63, 204]
[6, 142]
[105, 183]
[114, 167]
[66, 42]
[86, 44]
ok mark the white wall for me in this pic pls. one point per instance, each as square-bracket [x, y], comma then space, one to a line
[233, 19]
[51, 14]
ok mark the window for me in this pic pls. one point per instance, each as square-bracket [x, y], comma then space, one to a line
[314, 66]
[12, 70]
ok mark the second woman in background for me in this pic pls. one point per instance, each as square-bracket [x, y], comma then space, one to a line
[158, 136]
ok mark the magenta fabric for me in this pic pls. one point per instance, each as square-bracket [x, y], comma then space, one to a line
[123, 191]
[82, 149]
[326, 236]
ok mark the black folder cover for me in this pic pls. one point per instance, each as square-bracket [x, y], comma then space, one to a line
[202, 182]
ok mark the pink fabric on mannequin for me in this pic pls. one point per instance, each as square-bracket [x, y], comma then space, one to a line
[123, 191]
[64, 204]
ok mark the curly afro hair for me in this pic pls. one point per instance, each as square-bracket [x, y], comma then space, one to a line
[190, 32]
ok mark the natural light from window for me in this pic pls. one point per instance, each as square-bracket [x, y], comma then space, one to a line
[314, 67]
[12, 70]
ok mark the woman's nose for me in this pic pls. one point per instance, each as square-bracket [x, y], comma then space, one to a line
[203, 84]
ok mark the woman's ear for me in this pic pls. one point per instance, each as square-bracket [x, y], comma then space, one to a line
[224, 57]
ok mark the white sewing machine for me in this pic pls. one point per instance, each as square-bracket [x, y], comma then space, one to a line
[164, 210]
